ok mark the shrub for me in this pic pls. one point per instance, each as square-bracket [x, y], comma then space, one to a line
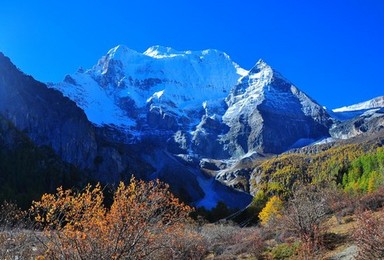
[369, 235]
[371, 201]
[11, 216]
[306, 210]
[15, 241]
[285, 250]
[227, 241]
[145, 221]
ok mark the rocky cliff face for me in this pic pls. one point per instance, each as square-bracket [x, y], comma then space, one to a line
[27, 170]
[264, 113]
[199, 103]
[363, 118]
[46, 116]
[160, 88]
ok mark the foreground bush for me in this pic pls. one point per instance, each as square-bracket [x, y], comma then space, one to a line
[11, 216]
[226, 241]
[369, 235]
[302, 219]
[16, 241]
[285, 250]
[145, 221]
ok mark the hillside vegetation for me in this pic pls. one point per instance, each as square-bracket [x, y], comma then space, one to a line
[352, 167]
[306, 206]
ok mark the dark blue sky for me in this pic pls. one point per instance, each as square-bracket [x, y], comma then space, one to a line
[331, 49]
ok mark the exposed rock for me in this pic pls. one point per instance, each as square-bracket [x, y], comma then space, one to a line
[268, 114]
[349, 253]
[159, 119]
[46, 116]
[193, 119]
[206, 139]
[179, 143]
[371, 121]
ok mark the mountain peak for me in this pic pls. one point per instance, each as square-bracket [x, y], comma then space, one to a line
[260, 65]
[159, 51]
[120, 52]
[161, 77]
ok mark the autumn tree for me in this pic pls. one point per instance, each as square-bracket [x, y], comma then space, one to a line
[271, 211]
[306, 210]
[145, 221]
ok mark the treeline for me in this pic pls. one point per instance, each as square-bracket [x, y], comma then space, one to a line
[365, 174]
[352, 167]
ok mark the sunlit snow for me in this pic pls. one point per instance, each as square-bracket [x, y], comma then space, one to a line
[177, 81]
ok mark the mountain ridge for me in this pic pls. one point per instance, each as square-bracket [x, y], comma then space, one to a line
[120, 73]
[376, 102]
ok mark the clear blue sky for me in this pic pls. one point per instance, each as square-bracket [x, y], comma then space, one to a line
[331, 49]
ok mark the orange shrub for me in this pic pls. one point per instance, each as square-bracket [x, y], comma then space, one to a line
[144, 221]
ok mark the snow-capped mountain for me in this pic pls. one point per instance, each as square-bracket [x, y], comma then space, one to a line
[203, 96]
[364, 117]
[352, 111]
[377, 102]
[52, 121]
[272, 113]
[189, 107]
[125, 84]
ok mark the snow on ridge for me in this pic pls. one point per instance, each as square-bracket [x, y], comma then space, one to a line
[370, 104]
[157, 95]
[159, 52]
[121, 52]
[94, 101]
[174, 80]
[176, 71]
[250, 92]
[242, 72]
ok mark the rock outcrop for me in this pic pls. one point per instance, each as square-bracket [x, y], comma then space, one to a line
[46, 116]
[369, 122]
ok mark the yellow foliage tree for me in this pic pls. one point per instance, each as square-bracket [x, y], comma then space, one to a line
[374, 181]
[271, 211]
